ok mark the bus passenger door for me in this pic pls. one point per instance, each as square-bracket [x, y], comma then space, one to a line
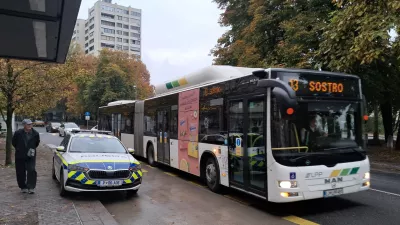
[163, 120]
[247, 158]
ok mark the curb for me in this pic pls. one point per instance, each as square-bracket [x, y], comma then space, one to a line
[90, 211]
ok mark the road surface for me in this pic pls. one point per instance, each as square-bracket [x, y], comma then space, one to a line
[168, 196]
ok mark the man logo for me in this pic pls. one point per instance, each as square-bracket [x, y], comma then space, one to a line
[333, 180]
[109, 167]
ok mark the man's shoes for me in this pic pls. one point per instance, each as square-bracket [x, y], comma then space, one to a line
[31, 191]
[24, 190]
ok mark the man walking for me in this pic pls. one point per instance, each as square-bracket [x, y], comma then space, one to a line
[25, 142]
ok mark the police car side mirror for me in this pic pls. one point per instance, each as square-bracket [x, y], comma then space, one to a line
[131, 150]
[60, 149]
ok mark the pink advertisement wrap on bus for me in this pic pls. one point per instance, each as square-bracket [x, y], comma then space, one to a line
[188, 130]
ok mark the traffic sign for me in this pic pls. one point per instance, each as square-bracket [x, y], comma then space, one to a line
[87, 113]
[87, 117]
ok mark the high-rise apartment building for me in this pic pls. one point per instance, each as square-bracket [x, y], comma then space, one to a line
[111, 26]
[78, 35]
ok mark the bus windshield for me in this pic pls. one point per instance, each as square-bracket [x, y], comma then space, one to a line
[322, 133]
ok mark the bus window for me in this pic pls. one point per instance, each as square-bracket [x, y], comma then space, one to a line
[211, 122]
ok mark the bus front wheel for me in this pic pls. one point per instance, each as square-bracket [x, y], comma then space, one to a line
[212, 175]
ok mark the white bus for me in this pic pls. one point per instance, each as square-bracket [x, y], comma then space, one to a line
[282, 135]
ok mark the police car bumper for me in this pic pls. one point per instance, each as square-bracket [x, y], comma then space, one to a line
[76, 186]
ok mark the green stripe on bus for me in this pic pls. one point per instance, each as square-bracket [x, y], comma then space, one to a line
[175, 83]
[169, 85]
[354, 170]
[344, 172]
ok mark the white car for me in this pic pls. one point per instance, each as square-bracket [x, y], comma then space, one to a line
[87, 161]
[66, 128]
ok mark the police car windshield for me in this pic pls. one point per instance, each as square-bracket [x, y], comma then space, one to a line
[96, 145]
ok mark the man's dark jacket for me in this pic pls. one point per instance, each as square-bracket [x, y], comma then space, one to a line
[22, 145]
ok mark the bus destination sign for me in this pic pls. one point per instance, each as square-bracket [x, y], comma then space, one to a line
[308, 85]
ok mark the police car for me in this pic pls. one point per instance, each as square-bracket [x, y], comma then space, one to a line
[95, 161]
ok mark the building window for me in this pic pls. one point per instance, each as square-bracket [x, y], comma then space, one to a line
[126, 48]
[86, 24]
[119, 47]
[126, 41]
[107, 23]
[126, 26]
[91, 48]
[73, 39]
[74, 31]
[108, 31]
[119, 32]
[126, 33]
[135, 42]
[108, 16]
[104, 45]
[126, 12]
[135, 35]
[119, 17]
[86, 45]
[91, 20]
[91, 41]
[134, 20]
[91, 34]
[135, 49]
[77, 24]
[135, 13]
[119, 25]
[135, 28]
[91, 27]
[119, 39]
[86, 38]
[91, 12]
[86, 51]
[117, 10]
[126, 19]
[107, 38]
[86, 31]
[107, 8]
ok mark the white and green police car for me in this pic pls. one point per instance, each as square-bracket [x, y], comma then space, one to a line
[94, 161]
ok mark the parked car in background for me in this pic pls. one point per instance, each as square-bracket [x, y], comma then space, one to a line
[52, 127]
[66, 128]
[38, 123]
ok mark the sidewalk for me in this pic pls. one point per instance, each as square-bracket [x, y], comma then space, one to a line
[383, 159]
[45, 207]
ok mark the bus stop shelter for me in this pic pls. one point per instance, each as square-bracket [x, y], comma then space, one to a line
[37, 29]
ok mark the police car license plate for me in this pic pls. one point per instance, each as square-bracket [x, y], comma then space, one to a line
[334, 192]
[108, 183]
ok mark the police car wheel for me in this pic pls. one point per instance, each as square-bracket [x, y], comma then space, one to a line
[53, 171]
[131, 193]
[63, 192]
[212, 175]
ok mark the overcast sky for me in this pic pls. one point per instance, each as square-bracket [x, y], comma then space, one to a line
[177, 35]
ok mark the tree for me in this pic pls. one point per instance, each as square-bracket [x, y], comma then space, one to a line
[118, 77]
[271, 33]
[27, 88]
[357, 41]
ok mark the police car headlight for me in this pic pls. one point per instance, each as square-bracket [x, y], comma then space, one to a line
[135, 168]
[77, 168]
[287, 184]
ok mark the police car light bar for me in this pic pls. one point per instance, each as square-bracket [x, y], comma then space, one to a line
[92, 131]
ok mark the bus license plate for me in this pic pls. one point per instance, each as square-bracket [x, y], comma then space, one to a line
[108, 183]
[334, 192]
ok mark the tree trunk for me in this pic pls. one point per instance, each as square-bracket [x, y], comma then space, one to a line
[9, 132]
[376, 123]
[387, 118]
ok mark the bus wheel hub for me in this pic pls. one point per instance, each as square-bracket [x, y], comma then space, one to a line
[211, 173]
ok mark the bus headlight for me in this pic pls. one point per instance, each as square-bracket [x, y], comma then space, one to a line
[367, 175]
[287, 184]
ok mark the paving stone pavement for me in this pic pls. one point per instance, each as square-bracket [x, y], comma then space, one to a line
[46, 207]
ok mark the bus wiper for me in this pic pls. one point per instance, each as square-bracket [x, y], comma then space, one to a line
[351, 148]
[307, 155]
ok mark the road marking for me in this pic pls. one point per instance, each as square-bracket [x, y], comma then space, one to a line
[298, 220]
[236, 200]
[171, 174]
[197, 184]
[144, 171]
[149, 166]
[385, 192]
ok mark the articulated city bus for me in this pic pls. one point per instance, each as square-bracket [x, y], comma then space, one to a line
[279, 134]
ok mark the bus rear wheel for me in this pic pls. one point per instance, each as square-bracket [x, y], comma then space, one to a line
[150, 156]
[212, 175]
